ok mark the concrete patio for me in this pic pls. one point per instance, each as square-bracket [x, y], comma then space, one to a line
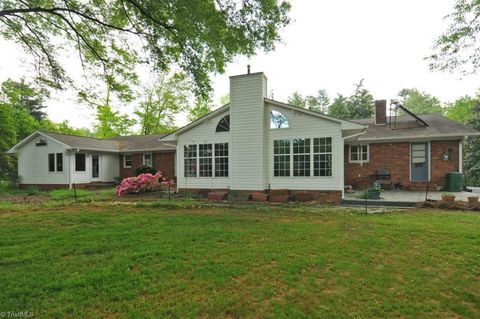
[413, 196]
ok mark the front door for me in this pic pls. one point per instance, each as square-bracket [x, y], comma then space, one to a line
[95, 167]
[419, 161]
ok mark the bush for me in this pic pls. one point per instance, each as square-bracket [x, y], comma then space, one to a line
[33, 191]
[142, 183]
[145, 170]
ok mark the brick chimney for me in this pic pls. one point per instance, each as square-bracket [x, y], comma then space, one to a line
[381, 112]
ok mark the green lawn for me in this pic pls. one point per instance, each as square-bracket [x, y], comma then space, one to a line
[94, 260]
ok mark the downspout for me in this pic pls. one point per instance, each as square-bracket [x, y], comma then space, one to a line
[460, 155]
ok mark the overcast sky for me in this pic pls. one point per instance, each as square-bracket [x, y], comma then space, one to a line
[329, 45]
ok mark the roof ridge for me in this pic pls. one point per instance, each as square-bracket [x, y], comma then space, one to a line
[67, 134]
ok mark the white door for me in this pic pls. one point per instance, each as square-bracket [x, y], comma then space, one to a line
[95, 168]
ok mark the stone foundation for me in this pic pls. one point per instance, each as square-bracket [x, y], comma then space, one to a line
[322, 196]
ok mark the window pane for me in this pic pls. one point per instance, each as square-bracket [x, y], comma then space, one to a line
[301, 165]
[59, 162]
[80, 162]
[190, 167]
[281, 158]
[190, 161]
[301, 146]
[221, 159]
[205, 160]
[278, 120]
[127, 160]
[51, 162]
[224, 124]
[322, 158]
[147, 158]
[205, 167]
[190, 151]
[205, 150]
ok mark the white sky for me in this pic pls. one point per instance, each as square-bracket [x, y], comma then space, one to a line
[329, 45]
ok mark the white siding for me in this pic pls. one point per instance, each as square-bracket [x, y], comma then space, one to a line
[202, 134]
[305, 126]
[251, 143]
[33, 163]
[247, 94]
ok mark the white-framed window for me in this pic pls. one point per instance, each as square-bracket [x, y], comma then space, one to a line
[190, 160]
[359, 153]
[55, 162]
[212, 160]
[127, 160]
[301, 157]
[221, 159]
[278, 120]
[205, 160]
[281, 158]
[322, 156]
[148, 159]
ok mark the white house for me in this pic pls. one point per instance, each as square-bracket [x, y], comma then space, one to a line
[255, 144]
[52, 160]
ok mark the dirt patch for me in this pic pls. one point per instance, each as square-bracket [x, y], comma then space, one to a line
[24, 199]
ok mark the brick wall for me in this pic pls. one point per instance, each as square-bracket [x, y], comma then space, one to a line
[395, 157]
[164, 162]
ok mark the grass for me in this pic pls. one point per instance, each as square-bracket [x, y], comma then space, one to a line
[160, 259]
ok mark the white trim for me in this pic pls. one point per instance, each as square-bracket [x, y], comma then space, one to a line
[55, 163]
[360, 160]
[418, 138]
[99, 178]
[124, 160]
[29, 137]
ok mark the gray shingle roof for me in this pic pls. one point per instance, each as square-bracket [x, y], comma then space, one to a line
[406, 129]
[116, 144]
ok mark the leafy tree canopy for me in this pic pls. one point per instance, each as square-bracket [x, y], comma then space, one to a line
[463, 108]
[458, 47]
[420, 102]
[472, 150]
[167, 97]
[357, 106]
[198, 37]
[317, 102]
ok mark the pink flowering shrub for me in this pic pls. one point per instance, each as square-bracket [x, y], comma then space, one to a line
[142, 183]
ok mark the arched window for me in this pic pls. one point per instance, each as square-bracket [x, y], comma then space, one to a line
[278, 120]
[224, 124]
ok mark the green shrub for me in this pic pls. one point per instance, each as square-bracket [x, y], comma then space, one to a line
[145, 169]
[31, 191]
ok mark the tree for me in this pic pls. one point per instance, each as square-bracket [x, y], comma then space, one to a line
[166, 98]
[111, 123]
[472, 150]
[320, 102]
[420, 102]
[225, 99]
[361, 103]
[7, 140]
[201, 109]
[297, 99]
[199, 37]
[339, 107]
[462, 109]
[458, 47]
[21, 95]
